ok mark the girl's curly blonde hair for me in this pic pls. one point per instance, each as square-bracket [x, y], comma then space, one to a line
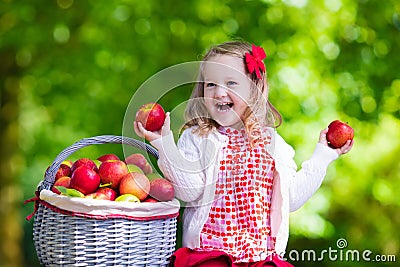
[260, 111]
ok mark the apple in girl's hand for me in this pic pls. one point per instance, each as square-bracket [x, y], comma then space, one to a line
[111, 171]
[84, 161]
[136, 184]
[61, 181]
[140, 161]
[108, 157]
[338, 133]
[161, 189]
[151, 115]
[85, 180]
[104, 193]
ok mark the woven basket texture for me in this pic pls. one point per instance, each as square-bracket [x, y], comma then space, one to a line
[65, 240]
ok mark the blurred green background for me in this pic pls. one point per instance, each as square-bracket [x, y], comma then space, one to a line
[68, 70]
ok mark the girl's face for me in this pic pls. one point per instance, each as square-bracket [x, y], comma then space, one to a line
[226, 89]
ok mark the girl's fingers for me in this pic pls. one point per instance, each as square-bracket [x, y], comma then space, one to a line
[322, 136]
[167, 125]
[346, 147]
[143, 133]
[137, 129]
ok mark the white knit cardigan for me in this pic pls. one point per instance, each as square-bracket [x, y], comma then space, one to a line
[192, 167]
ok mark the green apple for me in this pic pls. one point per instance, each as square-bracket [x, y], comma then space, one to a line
[134, 168]
[153, 175]
[127, 198]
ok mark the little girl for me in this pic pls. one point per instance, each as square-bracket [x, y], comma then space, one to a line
[233, 170]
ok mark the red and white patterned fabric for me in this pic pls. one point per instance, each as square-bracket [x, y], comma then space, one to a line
[239, 219]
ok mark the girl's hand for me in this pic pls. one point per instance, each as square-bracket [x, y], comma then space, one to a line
[151, 136]
[341, 150]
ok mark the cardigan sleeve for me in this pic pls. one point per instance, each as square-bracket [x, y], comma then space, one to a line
[184, 164]
[305, 182]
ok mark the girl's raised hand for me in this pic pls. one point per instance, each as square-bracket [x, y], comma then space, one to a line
[341, 150]
[151, 136]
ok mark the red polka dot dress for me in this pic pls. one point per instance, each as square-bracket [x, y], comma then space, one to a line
[239, 219]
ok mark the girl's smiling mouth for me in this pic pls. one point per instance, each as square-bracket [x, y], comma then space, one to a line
[224, 106]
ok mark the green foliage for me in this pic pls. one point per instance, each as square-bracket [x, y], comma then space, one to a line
[69, 69]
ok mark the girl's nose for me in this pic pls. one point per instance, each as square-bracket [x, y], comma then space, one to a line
[220, 91]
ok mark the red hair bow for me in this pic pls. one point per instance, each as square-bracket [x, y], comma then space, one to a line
[254, 61]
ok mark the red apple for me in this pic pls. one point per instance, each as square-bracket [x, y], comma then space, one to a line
[161, 189]
[150, 199]
[64, 170]
[151, 115]
[338, 133]
[62, 181]
[108, 157]
[84, 161]
[104, 193]
[111, 171]
[140, 161]
[67, 162]
[136, 184]
[85, 180]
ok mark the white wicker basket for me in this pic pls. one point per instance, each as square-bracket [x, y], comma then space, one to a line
[64, 236]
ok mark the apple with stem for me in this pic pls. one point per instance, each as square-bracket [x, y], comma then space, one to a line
[111, 171]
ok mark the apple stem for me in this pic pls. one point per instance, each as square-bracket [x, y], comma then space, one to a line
[105, 185]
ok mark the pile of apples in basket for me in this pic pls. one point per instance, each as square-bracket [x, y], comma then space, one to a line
[109, 178]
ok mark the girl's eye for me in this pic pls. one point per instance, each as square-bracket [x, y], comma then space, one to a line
[231, 83]
[210, 85]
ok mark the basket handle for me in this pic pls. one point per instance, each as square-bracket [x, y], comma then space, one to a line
[50, 174]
